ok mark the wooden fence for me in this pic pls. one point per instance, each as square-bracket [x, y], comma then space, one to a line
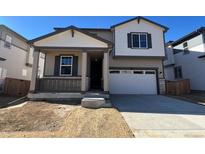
[16, 87]
[178, 87]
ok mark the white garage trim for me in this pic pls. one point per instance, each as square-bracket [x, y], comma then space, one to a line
[127, 81]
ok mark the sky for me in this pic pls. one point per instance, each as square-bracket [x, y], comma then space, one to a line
[32, 27]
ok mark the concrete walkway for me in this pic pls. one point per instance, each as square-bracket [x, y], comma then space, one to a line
[160, 116]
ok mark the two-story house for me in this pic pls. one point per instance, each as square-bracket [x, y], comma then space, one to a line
[16, 56]
[185, 59]
[124, 59]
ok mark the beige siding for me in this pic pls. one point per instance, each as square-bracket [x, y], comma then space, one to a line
[15, 63]
[65, 39]
[108, 35]
[121, 46]
[50, 61]
[138, 62]
[16, 41]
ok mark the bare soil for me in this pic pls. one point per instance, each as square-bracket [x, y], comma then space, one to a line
[42, 119]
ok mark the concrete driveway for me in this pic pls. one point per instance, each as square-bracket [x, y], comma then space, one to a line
[161, 116]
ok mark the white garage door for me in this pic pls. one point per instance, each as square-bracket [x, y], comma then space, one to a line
[132, 82]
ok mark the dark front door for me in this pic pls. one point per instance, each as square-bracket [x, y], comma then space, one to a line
[96, 74]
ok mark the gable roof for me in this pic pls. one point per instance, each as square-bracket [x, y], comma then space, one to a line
[15, 33]
[70, 28]
[188, 36]
[139, 18]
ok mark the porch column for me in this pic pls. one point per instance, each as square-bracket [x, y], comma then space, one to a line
[84, 71]
[106, 71]
[34, 71]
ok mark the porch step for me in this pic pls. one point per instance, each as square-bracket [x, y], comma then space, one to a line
[95, 103]
[96, 95]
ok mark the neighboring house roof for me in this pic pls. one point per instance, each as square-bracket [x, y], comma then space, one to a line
[2, 59]
[15, 33]
[70, 28]
[188, 36]
[139, 18]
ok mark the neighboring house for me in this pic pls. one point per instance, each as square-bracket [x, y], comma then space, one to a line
[185, 59]
[124, 59]
[17, 56]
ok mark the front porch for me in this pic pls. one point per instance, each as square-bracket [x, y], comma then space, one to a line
[86, 75]
[76, 62]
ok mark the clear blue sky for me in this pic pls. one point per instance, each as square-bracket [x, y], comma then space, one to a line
[32, 27]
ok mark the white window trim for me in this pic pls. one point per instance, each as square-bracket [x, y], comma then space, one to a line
[66, 65]
[139, 40]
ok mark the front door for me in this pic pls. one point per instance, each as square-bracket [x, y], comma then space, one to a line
[96, 74]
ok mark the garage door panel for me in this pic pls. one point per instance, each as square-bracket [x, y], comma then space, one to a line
[132, 83]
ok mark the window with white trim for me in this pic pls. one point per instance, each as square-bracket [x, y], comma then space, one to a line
[66, 64]
[8, 40]
[139, 40]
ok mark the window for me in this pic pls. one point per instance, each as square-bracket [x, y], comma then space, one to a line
[8, 41]
[66, 63]
[138, 72]
[178, 72]
[126, 72]
[186, 49]
[139, 40]
[114, 72]
[150, 72]
[185, 45]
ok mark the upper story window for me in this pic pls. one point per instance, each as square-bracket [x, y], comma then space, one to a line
[8, 41]
[186, 49]
[139, 40]
[185, 45]
[66, 64]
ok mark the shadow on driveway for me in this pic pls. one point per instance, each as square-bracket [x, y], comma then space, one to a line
[155, 104]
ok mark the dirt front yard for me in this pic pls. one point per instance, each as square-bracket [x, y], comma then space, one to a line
[42, 119]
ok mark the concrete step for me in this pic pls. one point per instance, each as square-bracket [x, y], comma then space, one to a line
[96, 95]
[95, 103]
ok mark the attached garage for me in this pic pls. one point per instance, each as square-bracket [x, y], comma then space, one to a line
[132, 81]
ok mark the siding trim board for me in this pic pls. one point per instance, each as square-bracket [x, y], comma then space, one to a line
[83, 49]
